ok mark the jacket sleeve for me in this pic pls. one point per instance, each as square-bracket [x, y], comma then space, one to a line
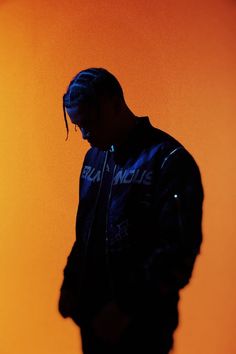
[68, 304]
[177, 227]
[174, 222]
[71, 269]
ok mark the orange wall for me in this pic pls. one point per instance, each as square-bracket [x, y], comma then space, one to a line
[176, 63]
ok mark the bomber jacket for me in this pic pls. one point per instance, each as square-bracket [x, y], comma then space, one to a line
[153, 218]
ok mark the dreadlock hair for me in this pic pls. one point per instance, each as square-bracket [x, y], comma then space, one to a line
[90, 85]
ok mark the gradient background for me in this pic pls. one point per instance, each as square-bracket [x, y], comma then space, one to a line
[176, 61]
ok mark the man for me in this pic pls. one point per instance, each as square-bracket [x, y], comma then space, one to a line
[138, 226]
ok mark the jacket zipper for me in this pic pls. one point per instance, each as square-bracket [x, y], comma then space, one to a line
[107, 254]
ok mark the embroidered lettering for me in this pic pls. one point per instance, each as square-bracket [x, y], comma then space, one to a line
[148, 178]
[90, 174]
[85, 171]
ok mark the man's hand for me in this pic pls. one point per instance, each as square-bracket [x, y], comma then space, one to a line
[110, 322]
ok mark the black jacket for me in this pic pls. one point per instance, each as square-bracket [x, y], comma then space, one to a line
[153, 218]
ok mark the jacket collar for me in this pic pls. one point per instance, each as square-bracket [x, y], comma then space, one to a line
[133, 141]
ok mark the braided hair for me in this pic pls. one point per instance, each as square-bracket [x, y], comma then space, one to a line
[90, 85]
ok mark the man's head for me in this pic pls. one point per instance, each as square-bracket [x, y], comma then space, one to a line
[95, 103]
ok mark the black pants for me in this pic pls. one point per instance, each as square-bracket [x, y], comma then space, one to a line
[149, 333]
